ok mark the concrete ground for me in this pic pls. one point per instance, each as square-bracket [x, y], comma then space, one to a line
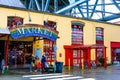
[111, 73]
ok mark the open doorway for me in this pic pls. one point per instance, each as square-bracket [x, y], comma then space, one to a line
[19, 52]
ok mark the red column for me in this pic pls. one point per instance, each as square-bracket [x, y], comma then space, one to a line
[71, 57]
[66, 56]
[6, 55]
[96, 58]
[105, 60]
[89, 58]
[80, 65]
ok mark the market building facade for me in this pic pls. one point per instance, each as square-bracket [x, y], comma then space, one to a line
[60, 38]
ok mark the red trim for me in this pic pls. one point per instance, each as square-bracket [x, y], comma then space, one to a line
[115, 44]
[94, 46]
[87, 53]
[67, 56]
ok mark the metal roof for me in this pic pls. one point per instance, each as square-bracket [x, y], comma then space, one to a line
[12, 3]
[100, 10]
[4, 31]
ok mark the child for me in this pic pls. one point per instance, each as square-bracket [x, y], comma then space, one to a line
[38, 65]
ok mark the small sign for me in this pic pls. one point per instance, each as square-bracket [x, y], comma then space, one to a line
[55, 48]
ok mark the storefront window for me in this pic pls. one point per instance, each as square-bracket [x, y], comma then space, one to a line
[77, 34]
[49, 44]
[19, 52]
[99, 35]
[14, 21]
[100, 41]
[48, 49]
[50, 24]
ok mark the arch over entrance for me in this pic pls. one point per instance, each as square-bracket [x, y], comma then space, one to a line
[33, 30]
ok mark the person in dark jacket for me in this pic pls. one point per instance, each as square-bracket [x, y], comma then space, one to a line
[1, 57]
[43, 60]
[30, 63]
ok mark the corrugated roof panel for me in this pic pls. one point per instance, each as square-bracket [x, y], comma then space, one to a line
[13, 3]
[4, 31]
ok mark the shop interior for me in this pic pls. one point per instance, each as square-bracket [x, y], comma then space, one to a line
[19, 52]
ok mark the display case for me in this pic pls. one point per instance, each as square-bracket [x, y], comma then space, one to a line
[48, 50]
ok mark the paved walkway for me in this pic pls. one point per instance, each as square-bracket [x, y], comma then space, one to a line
[111, 73]
[55, 76]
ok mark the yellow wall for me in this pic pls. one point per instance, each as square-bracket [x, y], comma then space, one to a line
[111, 32]
[38, 44]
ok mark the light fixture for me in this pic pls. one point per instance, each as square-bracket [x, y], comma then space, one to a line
[55, 26]
[30, 20]
[46, 21]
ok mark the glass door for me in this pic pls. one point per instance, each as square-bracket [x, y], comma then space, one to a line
[76, 58]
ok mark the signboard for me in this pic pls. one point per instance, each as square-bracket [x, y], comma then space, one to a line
[55, 48]
[34, 30]
[38, 53]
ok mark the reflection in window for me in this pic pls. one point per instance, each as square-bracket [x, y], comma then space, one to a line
[99, 35]
[14, 21]
[77, 34]
[99, 40]
[50, 24]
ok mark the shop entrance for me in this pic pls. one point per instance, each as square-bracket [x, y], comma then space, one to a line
[115, 51]
[80, 55]
[19, 52]
[76, 58]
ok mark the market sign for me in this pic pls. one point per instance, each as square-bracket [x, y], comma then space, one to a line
[27, 30]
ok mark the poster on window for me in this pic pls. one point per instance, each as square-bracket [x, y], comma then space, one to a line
[38, 53]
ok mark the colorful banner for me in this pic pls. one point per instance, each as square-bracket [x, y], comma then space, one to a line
[34, 30]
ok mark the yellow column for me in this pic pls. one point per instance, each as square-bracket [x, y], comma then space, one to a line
[69, 64]
[82, 64]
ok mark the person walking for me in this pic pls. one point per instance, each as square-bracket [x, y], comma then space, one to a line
[43, 60]
[30, 63]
